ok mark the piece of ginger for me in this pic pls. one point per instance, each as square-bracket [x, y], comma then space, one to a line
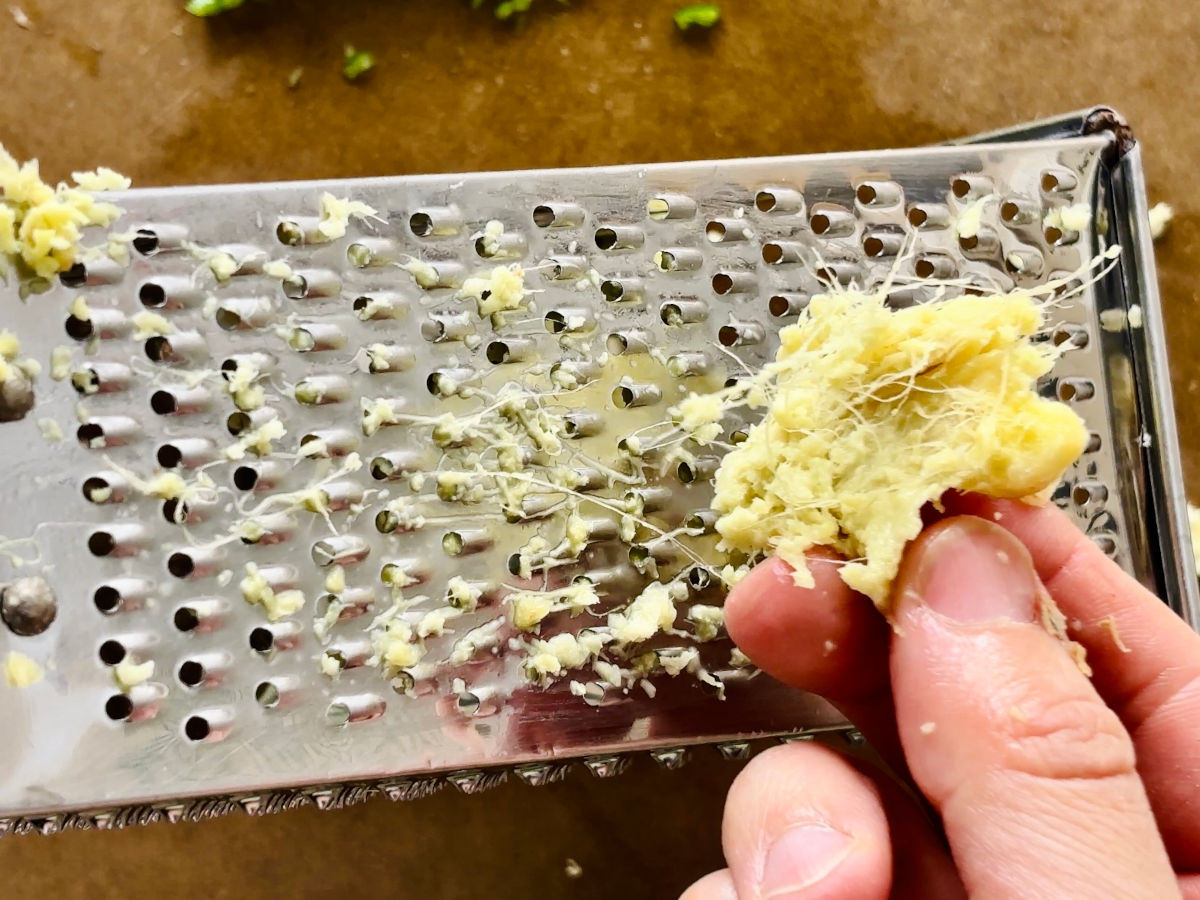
[871, 413]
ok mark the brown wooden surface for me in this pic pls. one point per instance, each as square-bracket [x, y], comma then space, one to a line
[139, 86]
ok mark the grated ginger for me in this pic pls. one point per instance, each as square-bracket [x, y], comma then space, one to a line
[872, 413]
[41, 227]
[336, 213]
[502, 289]
[20, 671]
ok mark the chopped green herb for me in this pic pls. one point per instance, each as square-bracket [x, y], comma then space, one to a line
[356, 63]
[509, 8]
[211, 7]
[700, 15]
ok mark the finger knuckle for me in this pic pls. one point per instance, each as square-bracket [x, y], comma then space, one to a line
[1065, 736]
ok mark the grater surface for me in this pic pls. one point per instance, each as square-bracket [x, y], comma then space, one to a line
[238, 706]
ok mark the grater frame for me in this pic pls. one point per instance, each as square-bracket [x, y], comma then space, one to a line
[1147, 483]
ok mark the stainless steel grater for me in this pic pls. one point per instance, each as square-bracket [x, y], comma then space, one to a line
[681, 274]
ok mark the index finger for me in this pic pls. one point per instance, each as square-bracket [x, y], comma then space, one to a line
[1145, 659]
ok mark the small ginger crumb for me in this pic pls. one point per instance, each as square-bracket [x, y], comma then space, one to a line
[930, 727]
[573, 869]
[1017, 714]
[1109, 624]
[20, 671]
[830, 646]
[50, 429]
[1161, 215]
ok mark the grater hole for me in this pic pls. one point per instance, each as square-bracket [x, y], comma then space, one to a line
[961, 187]
[722, 283]
[101, 543]
[164, 403]
[606, 238]
[97, 489]
[89, 432]
[873, 246]
[85, 382]
[780, 305]
[1093, 444]
[238, 423]
[715, 232]
[421, 224]
[158, 348]
[1052, 182]
[261, 640]
[1075, 389]
[1073, 337]
[497, 352]
[1106, 543]
[181, 564]
[112, 652]
[925, 267]
[169, 456]
[186, 619]
[969, 243]
[866, 194]
[245, 478]
[152, 295]
[74, 277]
[556, 322]
[1009, 211]
[267, 695]
[145, 241]
[228, 320]
[289, 233]
[728, 335]
[820, 223]
[772, 253]
[686, 472]
[765, 201]
[543, 216]
[917, 217]
[1053, 235]
[197, 728]
[118, 707]
[612, 290]
[191, 673]
[175, 511]
[79, 329]
[699, 578]
[295, 287]
[453, 543]
[107, 599]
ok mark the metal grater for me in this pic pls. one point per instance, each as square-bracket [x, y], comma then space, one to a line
[696, 263]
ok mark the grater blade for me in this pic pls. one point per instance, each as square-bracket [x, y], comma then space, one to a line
[238, 713]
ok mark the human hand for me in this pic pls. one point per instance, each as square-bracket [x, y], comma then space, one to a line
[1047, 784]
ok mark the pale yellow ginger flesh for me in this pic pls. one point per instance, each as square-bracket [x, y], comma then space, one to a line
[20, 671]
[871, 413]
[41, 227]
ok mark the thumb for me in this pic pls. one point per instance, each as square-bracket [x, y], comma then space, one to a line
[1033, 775]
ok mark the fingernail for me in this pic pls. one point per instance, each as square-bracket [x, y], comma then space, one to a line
[801, 857]
[973, 571]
